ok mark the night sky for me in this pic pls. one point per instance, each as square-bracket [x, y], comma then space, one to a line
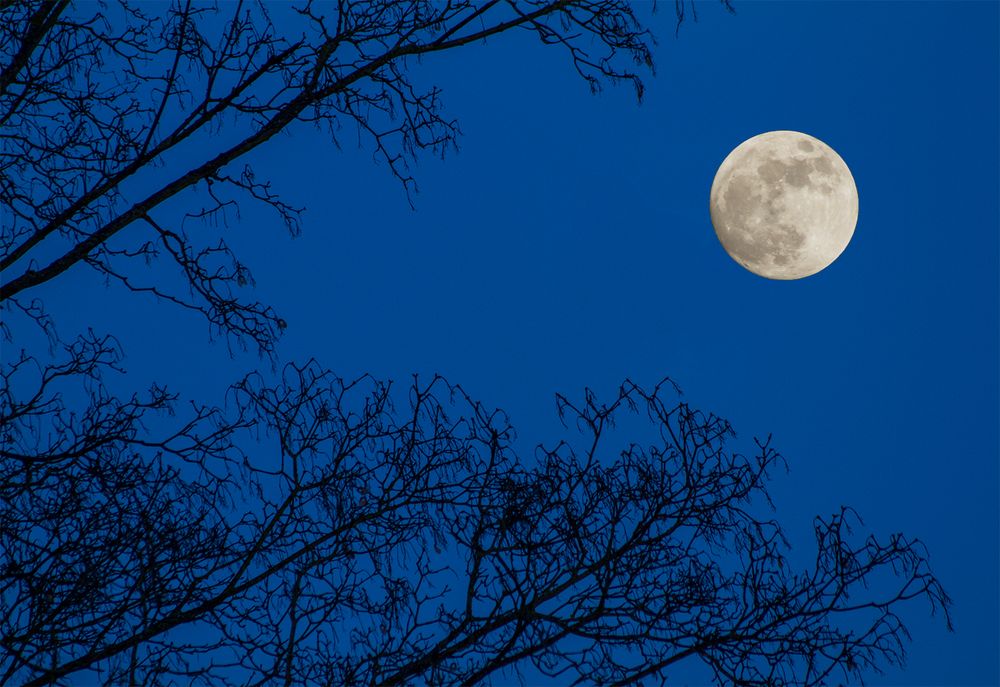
[568, 244]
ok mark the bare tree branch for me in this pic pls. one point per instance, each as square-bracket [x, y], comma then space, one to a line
[70, 169]
[358, 544]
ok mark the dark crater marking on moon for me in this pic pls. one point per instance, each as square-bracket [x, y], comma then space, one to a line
[798, 172]
[768, 239]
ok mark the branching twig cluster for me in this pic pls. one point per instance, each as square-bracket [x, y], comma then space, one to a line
[117, 119]
[363, 538]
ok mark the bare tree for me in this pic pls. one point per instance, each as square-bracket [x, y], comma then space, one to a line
[356, 543]
[314, 530]
[95, 104]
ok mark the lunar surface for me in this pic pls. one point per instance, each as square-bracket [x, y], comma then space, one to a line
[784, 205]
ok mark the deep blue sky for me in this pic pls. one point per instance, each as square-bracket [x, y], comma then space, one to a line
[568, 243]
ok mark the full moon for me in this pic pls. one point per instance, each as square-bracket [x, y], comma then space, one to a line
[784, 205]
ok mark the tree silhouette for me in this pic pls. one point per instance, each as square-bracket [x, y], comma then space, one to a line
[96, 104]
[317, 530]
